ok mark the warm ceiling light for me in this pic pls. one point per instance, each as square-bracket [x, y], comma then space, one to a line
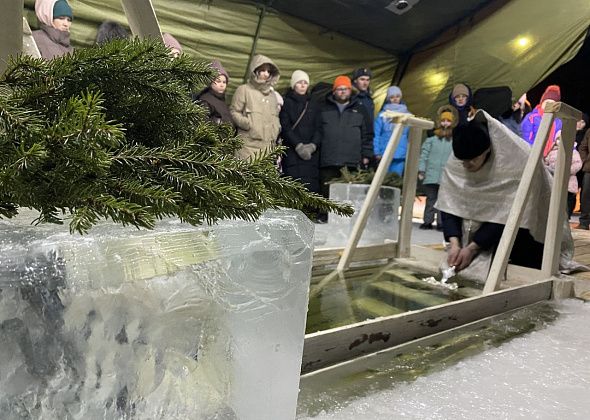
[437, 78]
[523, 41]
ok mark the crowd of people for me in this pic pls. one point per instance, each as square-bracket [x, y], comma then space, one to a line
[333, 127]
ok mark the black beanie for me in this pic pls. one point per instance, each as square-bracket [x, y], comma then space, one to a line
[361, 72]
[471, 140]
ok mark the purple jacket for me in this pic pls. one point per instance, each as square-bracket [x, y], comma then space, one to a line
[530, 125]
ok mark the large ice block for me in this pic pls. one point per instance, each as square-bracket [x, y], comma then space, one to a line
[382, 224]
[177, 323]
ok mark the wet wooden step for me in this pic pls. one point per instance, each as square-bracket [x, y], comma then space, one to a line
[374, 308]
[407, 278]
[396, 293]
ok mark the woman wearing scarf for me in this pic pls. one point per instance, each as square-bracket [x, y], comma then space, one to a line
[298, 121]
[255, 110]
[53, 37]
[213, 97]
[384, 128]
[461, 98]
[532, 121]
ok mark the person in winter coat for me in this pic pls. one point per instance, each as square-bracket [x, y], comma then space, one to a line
[298, 120]
[342, 133]
[172, 44]
[53, 37]
[532, 121]
[477, 190]
[584, 150]
[461, 98]
[109, 31]
[581, 129]
[255, 110]
[433, 158]
[384, 128]
[513, 117]
[361, 80]
[572, 185]
[213, 97]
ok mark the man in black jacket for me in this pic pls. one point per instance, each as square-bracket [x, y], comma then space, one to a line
[361, 79]
[343, 133]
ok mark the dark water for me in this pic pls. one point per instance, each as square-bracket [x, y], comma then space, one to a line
[375, 292]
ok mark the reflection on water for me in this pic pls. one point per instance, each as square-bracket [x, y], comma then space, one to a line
[327, 394]
[369, 293]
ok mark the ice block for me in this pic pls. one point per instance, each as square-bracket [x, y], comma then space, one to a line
[176, 323]
[382, 225]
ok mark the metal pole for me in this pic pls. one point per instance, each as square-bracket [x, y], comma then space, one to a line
[261, 16]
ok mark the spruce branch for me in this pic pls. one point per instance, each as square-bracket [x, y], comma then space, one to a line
[111, 132]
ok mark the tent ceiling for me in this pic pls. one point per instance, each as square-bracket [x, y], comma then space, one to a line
[369, 20]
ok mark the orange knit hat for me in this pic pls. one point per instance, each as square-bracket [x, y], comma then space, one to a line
[342, 81]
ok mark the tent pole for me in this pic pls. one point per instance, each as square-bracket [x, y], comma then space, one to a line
[261, 16]
[401, 68]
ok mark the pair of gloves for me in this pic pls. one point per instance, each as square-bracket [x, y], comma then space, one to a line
[305, 150]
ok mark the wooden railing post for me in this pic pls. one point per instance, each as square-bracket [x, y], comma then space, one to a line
[557, 207]
[409, 193]
[417, 125]
[361, 221]
[11, 30]
[555, 222]
[142, 19]
[500, 261]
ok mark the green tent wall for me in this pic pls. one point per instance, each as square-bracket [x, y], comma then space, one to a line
[510, 42]
[225, 30]
[516, 45]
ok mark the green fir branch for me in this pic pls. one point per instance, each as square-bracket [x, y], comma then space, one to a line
[111, 133]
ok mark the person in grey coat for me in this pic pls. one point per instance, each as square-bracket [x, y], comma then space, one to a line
[53, 37]
[433, 158]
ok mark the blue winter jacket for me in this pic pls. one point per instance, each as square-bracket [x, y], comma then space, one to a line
[433, 158]
[383, 130]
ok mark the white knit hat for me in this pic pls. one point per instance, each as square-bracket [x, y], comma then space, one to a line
[297, 76]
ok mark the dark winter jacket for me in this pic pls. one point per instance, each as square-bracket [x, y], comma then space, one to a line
[305, 170]
[344, 138]
[365, 98]
[215, 103]
[584, 150]
[462, 110]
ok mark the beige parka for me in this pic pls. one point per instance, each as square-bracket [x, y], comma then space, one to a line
[255, 110]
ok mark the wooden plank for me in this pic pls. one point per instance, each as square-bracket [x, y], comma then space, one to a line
[11, 30]
[557, 203]
[373, 308]
[376, 360]
[564, 111]
[408, 120]
[142, 19]
[340, 344]
[361, 221]
[328, 256]
[409, 192]
[396, 290]
[515, 216]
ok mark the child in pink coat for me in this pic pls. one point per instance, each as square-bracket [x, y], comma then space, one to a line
[572, 185]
